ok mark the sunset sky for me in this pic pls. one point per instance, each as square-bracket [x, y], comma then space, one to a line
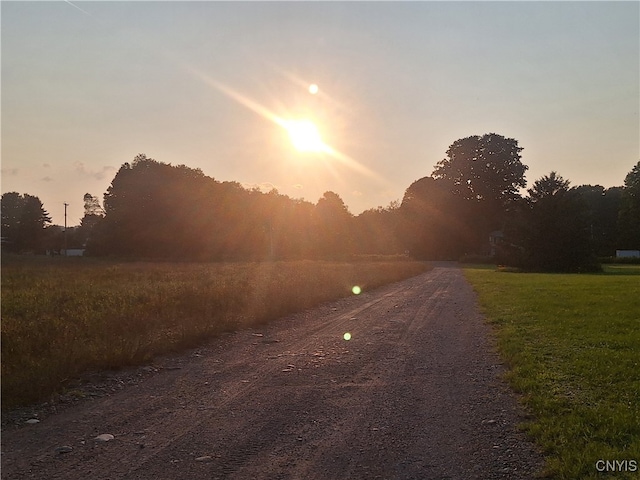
[86, 86]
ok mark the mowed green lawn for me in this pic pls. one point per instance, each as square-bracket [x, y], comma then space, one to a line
[572, 343]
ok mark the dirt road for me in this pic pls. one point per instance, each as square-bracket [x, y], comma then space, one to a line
[414, 394]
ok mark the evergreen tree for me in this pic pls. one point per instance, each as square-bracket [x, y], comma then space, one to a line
[629, 216]
[24, 220]
[555, 229]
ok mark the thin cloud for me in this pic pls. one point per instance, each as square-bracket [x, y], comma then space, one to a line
[81, 169]
[9, 172]
[264, 187]
[47, 179]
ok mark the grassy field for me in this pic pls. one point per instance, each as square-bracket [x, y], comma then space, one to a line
[65, 316]
[573, 346]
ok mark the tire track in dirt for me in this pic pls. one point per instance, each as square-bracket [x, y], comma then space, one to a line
[415, 393]
[169, 413]
[237, 392]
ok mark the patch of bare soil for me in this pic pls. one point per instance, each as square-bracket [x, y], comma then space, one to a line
[416, 393]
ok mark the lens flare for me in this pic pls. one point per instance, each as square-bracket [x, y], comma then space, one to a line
[315, 141]
[356, 290]
[347, 336]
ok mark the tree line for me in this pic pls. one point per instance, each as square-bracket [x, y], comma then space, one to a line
[472, 204]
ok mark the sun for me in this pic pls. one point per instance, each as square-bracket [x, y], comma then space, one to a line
[305, 136]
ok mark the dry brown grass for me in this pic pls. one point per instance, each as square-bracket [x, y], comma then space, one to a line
[62, 317]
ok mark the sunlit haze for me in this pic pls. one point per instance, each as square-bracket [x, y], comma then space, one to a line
[375, 92]
[305, 136]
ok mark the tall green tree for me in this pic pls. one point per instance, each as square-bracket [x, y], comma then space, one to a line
[377, 231]
[486, 172]
[603, 206]
[433, 221]
[288, 224]
[93, 215]
[152, 209]
[629, 216]
[24, 220]
[555, 231]
[334, 226]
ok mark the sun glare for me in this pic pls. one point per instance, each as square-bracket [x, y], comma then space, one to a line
[305, 136]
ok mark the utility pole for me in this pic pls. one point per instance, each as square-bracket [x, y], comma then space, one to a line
[270, 241]
[65, 228]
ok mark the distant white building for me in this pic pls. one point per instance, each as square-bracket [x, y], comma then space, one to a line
[627, 253]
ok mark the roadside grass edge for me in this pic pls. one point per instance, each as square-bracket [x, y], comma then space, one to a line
[572, 346]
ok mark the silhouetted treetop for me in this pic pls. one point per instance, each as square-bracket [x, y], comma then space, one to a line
[548, 186]
[632, 180]
[23, 222]
[425, 193]
[483, 174]
[629, 217]
[434, 220]
[155, 209]
[486, 167]
[330, 205]
[92, 205]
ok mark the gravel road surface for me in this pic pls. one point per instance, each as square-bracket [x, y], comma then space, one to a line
[416, 393]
